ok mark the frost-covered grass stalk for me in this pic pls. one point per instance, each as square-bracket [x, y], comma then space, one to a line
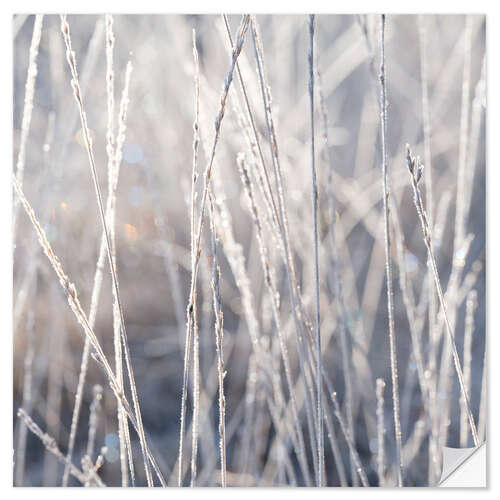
[111, 149]
[388, 263]
[274, 298]
[51, 446]
[70, 56]
[285, 238]
[240, 37]
[461, 241]
[380, 432]
[113, 176]
[345, 431]
[219, 343]
[29, 94]
[416, 170]
[90, 469]
[196, 340]
[315, 203]
[336, 276]
[427, 130]
[254, 139]
[77, 309]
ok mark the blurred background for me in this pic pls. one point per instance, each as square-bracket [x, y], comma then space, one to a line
[153, 225]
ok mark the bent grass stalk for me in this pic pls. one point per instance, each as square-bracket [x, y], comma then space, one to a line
[416, 169]
[51, 445]
[77, 309]
[459, 236]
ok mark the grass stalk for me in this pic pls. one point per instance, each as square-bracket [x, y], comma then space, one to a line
[195, 334]
[29, 95]
[416, 169]
[197, 239]
[388, 263]
[274, 298]
[219, 343]
[70, 55]
[113, 175]
[284, 236]
[315, 203]
[51, 445]
[77, 309]
[336, 276]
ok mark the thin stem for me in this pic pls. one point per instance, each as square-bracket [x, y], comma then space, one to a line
[123, 431]
[388, 263]
[219, 338]
[196, 354]
[197, 247]
[29, 94]
[50, 445]
[416, 169]
[284, 234]
[77, 309]
[336, 276]
[113, 176]
[70, 55]
[274, 297]
[268, 193]
[315, 203]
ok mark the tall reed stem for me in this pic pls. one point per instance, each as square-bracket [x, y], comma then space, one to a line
[315, 203]
[388, 263]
